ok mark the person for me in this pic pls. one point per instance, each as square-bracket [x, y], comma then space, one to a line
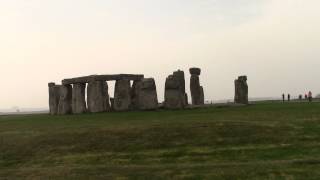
[306, 96]
[289, 97]
[283, 97]
[310, 96]
[300, 97]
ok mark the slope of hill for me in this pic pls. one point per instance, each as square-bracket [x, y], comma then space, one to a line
[268, 141]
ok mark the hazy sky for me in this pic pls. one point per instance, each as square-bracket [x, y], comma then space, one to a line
[275, 42]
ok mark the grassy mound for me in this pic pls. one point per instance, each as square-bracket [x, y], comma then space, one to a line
[269, 141]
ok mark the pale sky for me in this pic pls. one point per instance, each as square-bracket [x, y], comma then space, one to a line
[276, 43]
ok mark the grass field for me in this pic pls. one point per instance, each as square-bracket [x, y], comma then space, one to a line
[263, 141]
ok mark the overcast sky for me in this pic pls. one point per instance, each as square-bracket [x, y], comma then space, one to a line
[275, 42]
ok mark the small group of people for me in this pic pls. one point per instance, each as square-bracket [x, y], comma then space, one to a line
[308, 96]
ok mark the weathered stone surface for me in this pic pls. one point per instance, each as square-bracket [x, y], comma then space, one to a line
[241, 90]
[65, 100]
[98, 97]
[197, 93]
[148, 99]
[122, 95]
[179, 75]
[174, 97]
[54, 97]
[135, 92]
[112, 104]
[201, 95]
[195, 71]
[79, 98]
[186, 99]
[195, 89]
[172, 83]
[115, 77]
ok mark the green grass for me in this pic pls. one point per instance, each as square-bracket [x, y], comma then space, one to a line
[263, 141]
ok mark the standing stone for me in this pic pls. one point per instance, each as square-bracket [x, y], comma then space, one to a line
[65, 101]
[54, 97]
[241, 90]
[144, 95]
[122, 95]
[135, 94]
[201, 95]
[148, 98]
[174, 97]
[112, 104]
[197, 93]
[179, 75]
[98, 97]
[79, 98]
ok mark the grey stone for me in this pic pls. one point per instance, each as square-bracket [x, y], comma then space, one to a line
[135, 92]
[115, 77]
[54, 97]
[174, 97]
[197, 93]
[98, 97]
[172, 83]
[195, 71]
[148, 99]
[65, 101]
[179, 76]
[112, 104]
[195, 89]
[201, 95]
[79, 98]
[122, 95]
[241, 90]
[186, 99]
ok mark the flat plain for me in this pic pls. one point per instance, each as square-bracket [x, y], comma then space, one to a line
[261, 141]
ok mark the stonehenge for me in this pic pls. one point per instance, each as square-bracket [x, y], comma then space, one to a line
[71, 97]
[175, 95]
[90, 93]
[241, 90]
[197, 93]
